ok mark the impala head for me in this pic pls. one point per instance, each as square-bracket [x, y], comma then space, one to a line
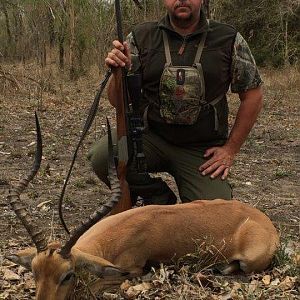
[62, 278]
[53, 265]
[54, 275]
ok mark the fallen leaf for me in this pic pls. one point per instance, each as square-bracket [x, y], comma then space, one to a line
[21, 270]
[29, 284]
[226, 283]
[235, 290]
[31, 144]
[4, 284]
[10, 275]
[227, 296]
[296, 259]
[125, 285]
[266, 279]
[253, 286]
[275, 282]
[43, 203]
[13, 243]
[5, 153]
[145, 286]
[109, 296]
[288, 283]
[4, 295]
[134, 291]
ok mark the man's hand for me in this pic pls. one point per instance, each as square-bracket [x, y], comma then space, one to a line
[219, 163]
[222, 157]
[119, 56]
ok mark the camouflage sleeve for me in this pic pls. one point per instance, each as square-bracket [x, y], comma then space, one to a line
[244, 72]
[135, 58]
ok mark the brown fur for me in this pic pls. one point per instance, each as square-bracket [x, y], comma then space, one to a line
[122, 244]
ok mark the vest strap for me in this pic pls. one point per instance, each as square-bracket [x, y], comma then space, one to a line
[213, 105]
[145, 119]
[200, 70]
[168, 53]
[200, 47]
[167, 48]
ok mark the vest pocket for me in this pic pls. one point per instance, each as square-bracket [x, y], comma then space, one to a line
[181, 94]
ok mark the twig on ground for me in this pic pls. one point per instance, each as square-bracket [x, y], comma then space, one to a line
[10, 77]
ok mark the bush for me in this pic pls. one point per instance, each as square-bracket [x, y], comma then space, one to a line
[271, 27]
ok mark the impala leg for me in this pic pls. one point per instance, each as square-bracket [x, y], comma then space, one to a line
[104, 284]
[228, 268]
[256, 247]
[101, 285]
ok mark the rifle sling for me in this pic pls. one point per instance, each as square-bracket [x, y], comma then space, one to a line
[87, 125]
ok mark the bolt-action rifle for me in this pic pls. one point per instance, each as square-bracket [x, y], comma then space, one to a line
[129, 124]
[130, 148]
[125, 120]
[129, 139]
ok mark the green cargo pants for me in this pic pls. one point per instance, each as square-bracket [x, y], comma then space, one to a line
[181, 163]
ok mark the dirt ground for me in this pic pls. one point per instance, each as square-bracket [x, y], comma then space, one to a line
[265, 173]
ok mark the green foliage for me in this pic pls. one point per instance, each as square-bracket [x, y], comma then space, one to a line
[281, 172]
[42, 30]
[285, 259]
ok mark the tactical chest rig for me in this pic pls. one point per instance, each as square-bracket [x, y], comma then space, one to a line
[182, 89]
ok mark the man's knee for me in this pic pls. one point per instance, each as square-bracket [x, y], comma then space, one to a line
[206, 190]
[152, 190]
[98, 158]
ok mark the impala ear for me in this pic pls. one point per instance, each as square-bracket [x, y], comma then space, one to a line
[96, 265]
[23, 257]
[114, 271]
[104, 271]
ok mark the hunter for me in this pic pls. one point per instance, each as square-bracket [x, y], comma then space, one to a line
[187, 63]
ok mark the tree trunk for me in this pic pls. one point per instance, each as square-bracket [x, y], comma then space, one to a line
[72, 39]
[51, 30]
[8, 29]
[19, 36]
[61, 38]
[286, 46]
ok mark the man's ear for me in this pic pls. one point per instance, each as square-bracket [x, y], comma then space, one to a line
[97, 265]
[23, 257]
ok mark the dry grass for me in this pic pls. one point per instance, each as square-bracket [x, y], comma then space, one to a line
[265, 174]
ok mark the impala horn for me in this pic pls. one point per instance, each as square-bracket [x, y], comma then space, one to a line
[105, 208]
[36, 233]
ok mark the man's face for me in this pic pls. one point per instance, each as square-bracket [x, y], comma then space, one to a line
[183, 10]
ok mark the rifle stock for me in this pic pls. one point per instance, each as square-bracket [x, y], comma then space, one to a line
[122, 144]
[123, 110]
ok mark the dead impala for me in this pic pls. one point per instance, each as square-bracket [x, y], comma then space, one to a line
[121, 245]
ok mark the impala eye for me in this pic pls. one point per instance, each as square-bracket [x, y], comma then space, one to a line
[69, 276]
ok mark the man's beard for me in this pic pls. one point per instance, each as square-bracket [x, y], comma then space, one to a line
[183, 22]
